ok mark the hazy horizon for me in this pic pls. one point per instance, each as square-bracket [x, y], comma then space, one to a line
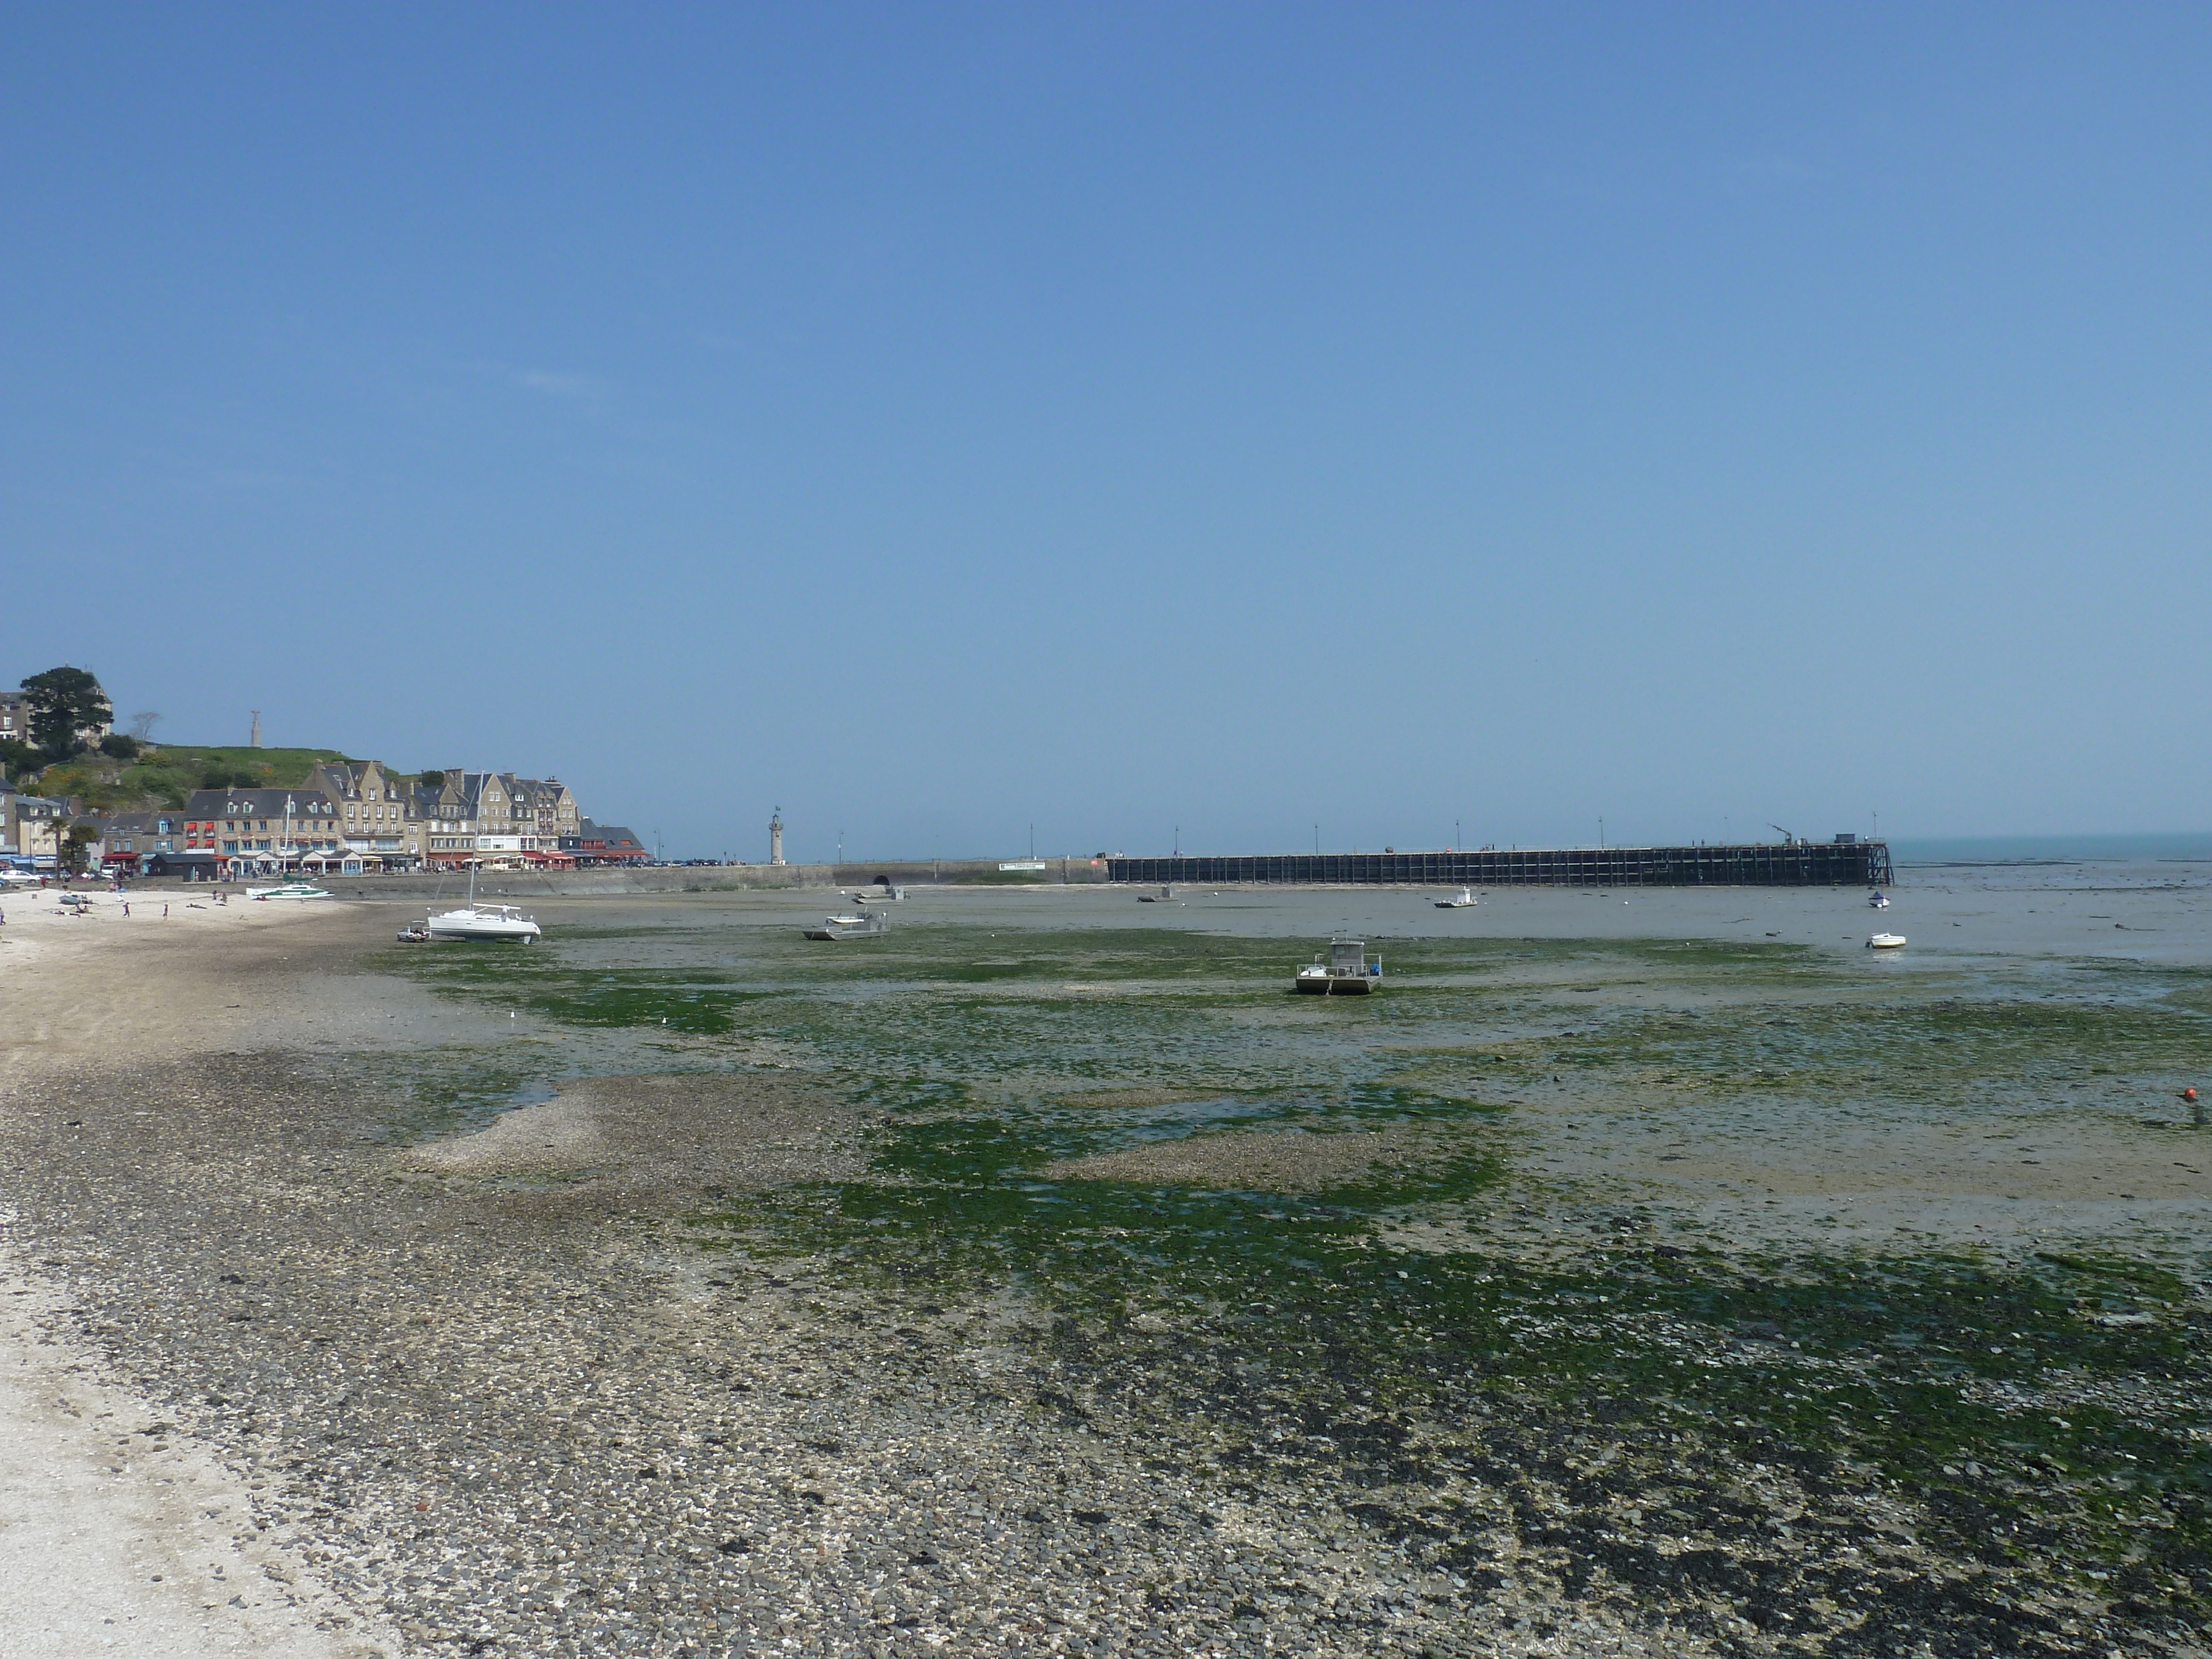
[1438, 427]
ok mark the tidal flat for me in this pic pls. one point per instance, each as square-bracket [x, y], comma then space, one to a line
[1643, 1273]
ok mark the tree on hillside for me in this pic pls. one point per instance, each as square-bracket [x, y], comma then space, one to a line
[142, 724]
[65, 701]
[76, 845]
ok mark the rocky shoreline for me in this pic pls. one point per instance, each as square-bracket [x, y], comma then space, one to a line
[549, 1389]
[511, 1421]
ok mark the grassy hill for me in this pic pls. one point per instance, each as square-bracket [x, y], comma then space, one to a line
[164, 776]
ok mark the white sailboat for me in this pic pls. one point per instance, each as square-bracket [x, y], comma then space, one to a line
[474, 921]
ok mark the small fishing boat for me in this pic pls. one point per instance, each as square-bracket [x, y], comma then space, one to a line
[1165, 896]
[861, 926]
[1884, 941]
[1458, 901]
[290, 889]
[416, 934]
[1878, 901]
[1343, 970]
[885, 892]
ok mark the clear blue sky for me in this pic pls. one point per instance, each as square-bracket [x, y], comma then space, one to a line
[937, 420]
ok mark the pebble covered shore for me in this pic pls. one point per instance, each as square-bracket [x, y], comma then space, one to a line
[499, 1430]
[518, 1421]
[733, 1359]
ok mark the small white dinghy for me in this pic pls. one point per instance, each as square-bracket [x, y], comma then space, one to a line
[868, 925]
[1884, 941]
[1878, 901]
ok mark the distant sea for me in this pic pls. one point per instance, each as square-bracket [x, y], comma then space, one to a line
[2194, 848]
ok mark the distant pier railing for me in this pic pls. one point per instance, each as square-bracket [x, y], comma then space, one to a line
[1795, 864]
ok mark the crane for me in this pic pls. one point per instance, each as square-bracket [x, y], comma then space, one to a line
[1788, 840]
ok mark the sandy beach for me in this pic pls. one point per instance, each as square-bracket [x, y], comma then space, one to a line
[117, 1535]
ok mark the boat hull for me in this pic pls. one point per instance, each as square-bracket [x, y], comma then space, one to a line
[836, 927]
[459, 925]
[1325, 984]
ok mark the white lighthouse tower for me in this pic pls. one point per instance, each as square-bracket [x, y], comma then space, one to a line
[776, 837]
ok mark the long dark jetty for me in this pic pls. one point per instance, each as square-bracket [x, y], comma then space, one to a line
[1775, 863]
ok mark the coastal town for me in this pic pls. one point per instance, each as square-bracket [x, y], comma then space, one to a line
[79, 798]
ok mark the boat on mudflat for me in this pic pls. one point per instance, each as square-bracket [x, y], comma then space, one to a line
[1884, 941]
[290, 889]
[482, 921]
[1458, 901]
[860, 927]
[1343, 970]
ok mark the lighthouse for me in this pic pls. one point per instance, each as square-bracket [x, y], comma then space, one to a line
[776, 837]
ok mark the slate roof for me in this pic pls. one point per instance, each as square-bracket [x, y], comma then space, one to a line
[258, 804]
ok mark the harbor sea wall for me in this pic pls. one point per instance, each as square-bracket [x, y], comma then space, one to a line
[1796, 864]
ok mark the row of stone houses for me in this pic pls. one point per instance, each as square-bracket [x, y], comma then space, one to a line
[30, 826]
[360, 815]
[348, 817]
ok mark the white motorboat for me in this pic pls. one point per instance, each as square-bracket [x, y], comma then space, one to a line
[860, 927]
[1458, 901]
[290, 889]
[1878, 901]
[1884, 941]
[482, 921]
[1343, 971]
